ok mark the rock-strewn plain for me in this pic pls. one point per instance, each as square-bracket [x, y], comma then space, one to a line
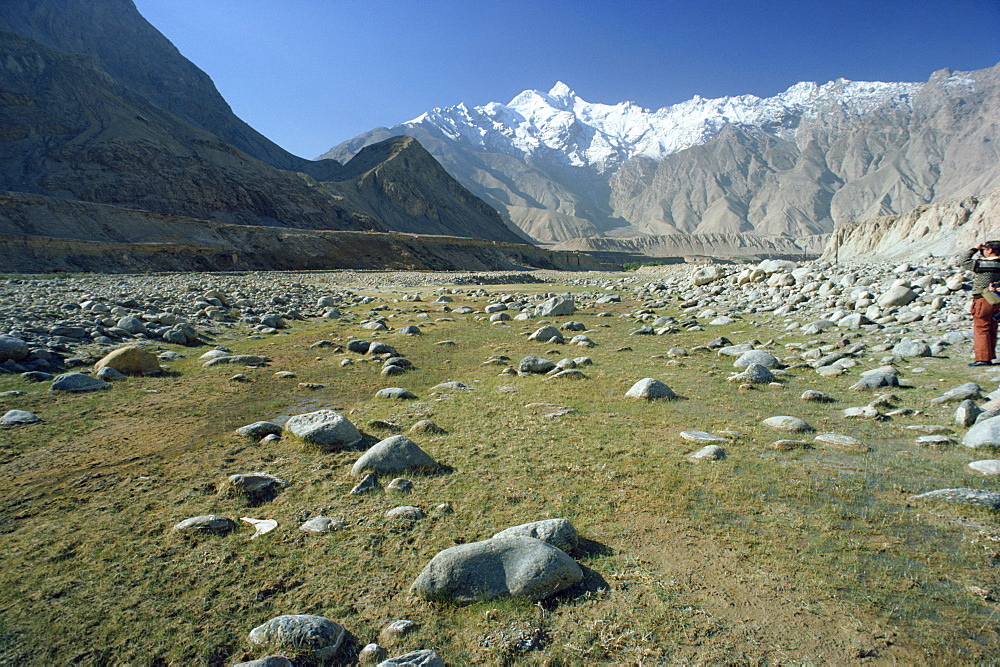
[192, 491]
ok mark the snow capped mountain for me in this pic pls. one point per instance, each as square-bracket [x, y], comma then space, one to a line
[602, 136]
[797, 164]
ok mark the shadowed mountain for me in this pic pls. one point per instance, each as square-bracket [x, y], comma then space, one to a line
[97, 106]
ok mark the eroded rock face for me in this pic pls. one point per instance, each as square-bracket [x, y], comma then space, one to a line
[500, 567]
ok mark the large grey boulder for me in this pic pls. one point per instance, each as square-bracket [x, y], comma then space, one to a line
[897, 295]
[762, 357]
[313, 637]
[557, 532]
[12, 348]
[983, 434]
[77, 382]
[875, 381]
[534, 365]
[547, 334]
[326, 429]
[556, 306]
[393, 455]
[706, 275]
[650, 388]
[500, 567]
[258, 430]
[132, 324]
[754, 374]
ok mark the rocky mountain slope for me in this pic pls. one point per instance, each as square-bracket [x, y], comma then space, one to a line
[942, 230]
[799, 163]
[96, 106]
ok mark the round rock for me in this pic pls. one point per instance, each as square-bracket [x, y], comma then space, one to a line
[77, 383]
[501, 567]
[650, 388]
[392, 456]
[326, 429]
[786, 423]
[317, 637]
[18, 418]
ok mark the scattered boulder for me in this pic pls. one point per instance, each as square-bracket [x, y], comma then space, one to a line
[534, 365]
[18, 418]
[130, 360]
[987, 499]
[786, 423]
[424, 657]
[77, 383]
[394, 455]
[326, 429]
[557, 306]
[13, 349]
[500, 567]
[396, 393]
[708, 453]
[255, 487]
[650, 388]
[206, 523]
[258, 430]
[305, 635]
[322, 524]
[547, 334]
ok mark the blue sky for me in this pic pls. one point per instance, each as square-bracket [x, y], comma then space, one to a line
[309, 74]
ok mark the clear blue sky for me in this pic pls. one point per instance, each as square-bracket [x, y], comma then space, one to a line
[309, 74]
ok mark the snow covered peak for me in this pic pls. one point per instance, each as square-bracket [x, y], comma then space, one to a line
[560, 126]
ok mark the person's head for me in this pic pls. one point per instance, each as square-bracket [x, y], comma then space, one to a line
[991, 249]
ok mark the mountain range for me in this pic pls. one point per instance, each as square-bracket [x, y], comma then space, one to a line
[794, 165]
[97, 107]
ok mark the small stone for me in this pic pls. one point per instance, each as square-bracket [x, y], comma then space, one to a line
[786, 423]
[426, 426]
[818, 396]
[397, 393]
[18, 418]
[708, 453]
[445, 508]
[368, 483]
[206, 523]
[256, 487]
[987, 499]
[400, 485]
[988, 467]
[844, 442]
[424, 657]
[322, 524]
[261, 526]
[284, 375]
[650, 389]
[408, 512]
[701, 436]
[371, 653]
[239, 377]
[258, 430]
[392, 633]
[788, 445]
[935, 441]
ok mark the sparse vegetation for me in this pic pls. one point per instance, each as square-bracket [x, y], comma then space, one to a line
[804, 556]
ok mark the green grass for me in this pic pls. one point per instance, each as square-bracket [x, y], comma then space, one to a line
[94, 574]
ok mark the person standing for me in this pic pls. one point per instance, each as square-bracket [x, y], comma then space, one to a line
[985, 300]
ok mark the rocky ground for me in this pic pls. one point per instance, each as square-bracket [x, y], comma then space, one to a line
[865, 332]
